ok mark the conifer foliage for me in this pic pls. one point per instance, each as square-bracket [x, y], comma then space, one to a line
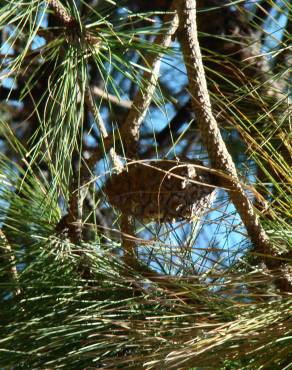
[145, 184]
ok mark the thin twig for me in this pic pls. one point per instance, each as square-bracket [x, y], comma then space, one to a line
[102, 94]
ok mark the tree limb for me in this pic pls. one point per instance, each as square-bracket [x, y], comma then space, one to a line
[211, 136]
[131, 128]
[130, 131]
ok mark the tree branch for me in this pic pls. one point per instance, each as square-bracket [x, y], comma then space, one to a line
[79, 187]
[130, 131]
[131, 128]
[211, 136]
[62, 15]
[102, 94]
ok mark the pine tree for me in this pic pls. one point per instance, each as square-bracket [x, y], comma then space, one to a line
[145, 175]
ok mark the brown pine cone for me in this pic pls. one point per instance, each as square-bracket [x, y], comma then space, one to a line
[162, 190]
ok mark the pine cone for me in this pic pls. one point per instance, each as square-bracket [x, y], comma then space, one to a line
[162, 190]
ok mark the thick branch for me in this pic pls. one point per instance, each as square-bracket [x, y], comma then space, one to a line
[131, 128]
[130, 131]
[62, 15]
[211, 136]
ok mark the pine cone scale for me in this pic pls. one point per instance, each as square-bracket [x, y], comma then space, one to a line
[162, 190]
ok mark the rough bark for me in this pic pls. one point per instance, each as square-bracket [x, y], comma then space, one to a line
[211, 136]
[130, 131]
[131, 128]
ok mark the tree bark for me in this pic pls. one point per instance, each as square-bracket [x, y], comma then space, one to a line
[211, 136]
